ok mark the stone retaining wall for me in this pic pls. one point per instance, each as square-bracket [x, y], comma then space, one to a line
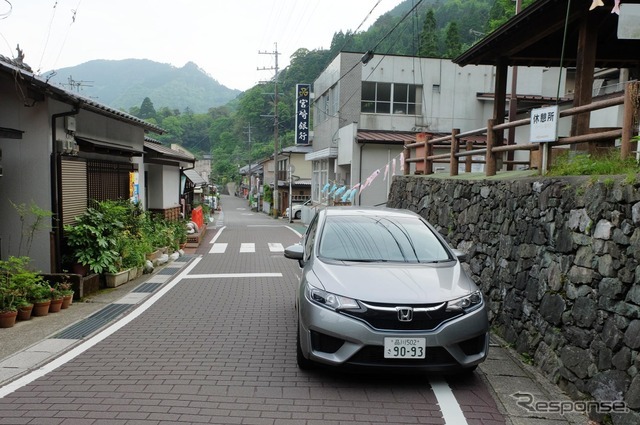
[558, 262]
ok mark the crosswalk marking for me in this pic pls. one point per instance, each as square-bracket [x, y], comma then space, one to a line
[218, 248]
[247, 247]
[276, 247]
[221, 247]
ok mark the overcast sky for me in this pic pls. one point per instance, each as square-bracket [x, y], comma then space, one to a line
[223, 37]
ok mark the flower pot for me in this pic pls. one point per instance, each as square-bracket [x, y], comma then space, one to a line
[55, 305]
[66, 301]
[153, 255]
[80, 269]
[24, 313]
[116, 279]
[8, 319]
[41, 309]
[133, 273]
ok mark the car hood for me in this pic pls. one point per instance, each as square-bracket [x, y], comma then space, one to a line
[395, 283]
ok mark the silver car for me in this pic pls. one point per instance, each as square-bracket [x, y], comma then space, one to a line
[381, 287]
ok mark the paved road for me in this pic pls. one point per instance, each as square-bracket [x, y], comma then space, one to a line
[216, 344]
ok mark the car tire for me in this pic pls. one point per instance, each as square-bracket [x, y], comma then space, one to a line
[298, 214]
[303, 362]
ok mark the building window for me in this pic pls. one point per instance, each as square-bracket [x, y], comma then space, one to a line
[320, 177]
[387, 98]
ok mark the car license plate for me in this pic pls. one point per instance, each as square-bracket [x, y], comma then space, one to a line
[404, 348]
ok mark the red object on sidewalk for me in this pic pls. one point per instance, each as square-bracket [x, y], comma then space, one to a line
[197, 216]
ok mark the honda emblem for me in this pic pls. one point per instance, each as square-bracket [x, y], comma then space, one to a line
[405, 314]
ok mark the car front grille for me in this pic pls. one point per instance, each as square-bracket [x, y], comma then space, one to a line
[424, 317]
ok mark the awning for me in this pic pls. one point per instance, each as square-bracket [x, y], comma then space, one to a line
[387, 137]
[102, 146]
[10, 133]
[195, 178]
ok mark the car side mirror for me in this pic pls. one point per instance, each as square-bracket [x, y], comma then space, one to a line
[295, 252]
[461, 255]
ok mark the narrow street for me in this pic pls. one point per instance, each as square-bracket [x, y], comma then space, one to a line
[216, 344]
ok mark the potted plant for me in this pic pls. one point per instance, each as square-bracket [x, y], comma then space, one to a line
[65, 289]
[8, 310]
[132, 250]
[22, 283]
[92, 241]
[41, 298]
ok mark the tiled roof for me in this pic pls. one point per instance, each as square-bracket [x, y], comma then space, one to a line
[166, 152]
[22, 75]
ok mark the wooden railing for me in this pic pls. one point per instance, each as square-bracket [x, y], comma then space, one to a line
[493, 151]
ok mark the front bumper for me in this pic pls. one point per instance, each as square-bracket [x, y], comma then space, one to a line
[335, 339]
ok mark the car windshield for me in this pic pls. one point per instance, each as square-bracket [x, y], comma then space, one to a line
[380, 239]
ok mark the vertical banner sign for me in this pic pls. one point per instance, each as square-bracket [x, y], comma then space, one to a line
[302, 113]
[134, 187]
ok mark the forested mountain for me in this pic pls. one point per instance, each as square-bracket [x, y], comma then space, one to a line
[239, 130]
[123, 84]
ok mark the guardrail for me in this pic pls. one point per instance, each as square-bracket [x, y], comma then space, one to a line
[493, 151]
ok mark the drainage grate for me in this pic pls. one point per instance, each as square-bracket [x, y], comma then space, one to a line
[92, 323]
[148, 287]
[168, 270]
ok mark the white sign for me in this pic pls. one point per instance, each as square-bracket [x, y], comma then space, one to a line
[628, 22]
[544, 124]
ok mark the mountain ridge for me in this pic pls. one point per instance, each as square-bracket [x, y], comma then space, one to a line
[123, 84]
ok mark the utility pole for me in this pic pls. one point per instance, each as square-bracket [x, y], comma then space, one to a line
[275, 128]
[248, 133]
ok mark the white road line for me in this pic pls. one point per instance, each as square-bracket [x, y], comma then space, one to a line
[276, 247]
[215, 238]
[218, 248]
[451, 411]
[294, 231]
[247, 247]
[75, 352]
[231, 275]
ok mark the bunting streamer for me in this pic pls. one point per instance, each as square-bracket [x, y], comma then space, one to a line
[370, 180]
[616, 7]
[331, 190]
[596, 3]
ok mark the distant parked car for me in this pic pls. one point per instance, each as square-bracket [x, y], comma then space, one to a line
[381, 287]
[297, 210]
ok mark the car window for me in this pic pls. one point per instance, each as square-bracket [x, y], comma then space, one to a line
[357, 238]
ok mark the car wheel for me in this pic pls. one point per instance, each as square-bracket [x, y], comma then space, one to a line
[303, 362]
[298, 214]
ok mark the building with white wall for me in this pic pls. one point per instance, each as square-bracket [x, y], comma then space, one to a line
[365, 113]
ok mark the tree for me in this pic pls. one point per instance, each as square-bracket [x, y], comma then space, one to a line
[452, 42]
[147, 110]
[429, 36]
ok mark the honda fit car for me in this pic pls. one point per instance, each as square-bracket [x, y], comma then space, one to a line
[381, 287]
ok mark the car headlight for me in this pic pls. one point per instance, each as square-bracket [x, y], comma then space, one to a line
[466, 303]
[331, 301]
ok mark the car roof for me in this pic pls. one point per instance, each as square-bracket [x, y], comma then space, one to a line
[368, 211]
